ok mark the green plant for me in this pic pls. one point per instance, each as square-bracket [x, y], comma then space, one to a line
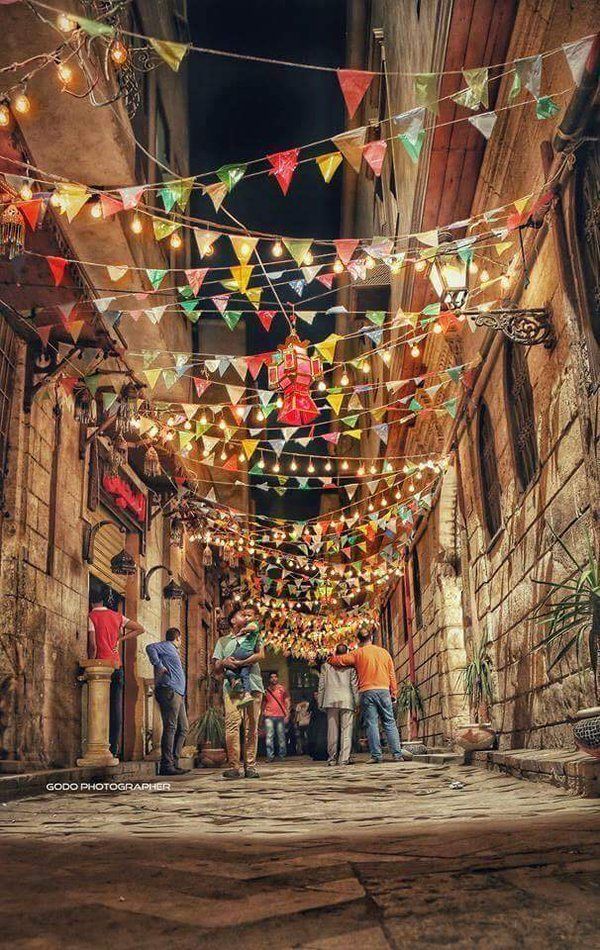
[409, 700]
[570, 611]
[209, 728]
[477, 680]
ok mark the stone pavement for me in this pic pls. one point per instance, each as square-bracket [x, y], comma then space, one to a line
[310, 856]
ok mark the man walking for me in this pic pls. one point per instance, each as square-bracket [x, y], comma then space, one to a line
[377, 688]
[169, 690]
[276, 710]
[107, 629]
[338, 696]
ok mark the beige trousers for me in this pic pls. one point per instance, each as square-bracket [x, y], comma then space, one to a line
[234, 716]
[339, 734]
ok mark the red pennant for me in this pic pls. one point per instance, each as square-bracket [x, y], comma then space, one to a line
[255, 363]
[44, 334]
[31, 211]
[110, 205]
[346, 248]
[68, 383]
[231, 465]
[201, 385]
[284, 165]
[374, 154]
[354, 84]
[448, 321]
[220, 301]
[57, 266]
[266, 318]
[326, 280]
[195, 278]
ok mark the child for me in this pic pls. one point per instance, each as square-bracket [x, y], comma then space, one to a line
[245, 631]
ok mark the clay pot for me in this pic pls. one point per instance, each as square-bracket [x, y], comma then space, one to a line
[212, 758]
[587, 731]
[475, 736]
[415, 746]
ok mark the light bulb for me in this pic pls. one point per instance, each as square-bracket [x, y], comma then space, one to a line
[366, 369]
[420, 266]
[241, 457]
[373, 469]
[259, 415]
[311, 468]
[328, 466]
[338, 267]
[222, 424]
[437, 328]
[321, 386]
[203, 419]
[345, 465]
[21, 104]
[136, 224]
[187, 425]
[279, 403]
[308, 259]
[175, 241]
[361, 470]
[55, 200]
[245, 250]
[371, 506]
[485, 275]
[223, 455]
[344, 381]
[505, 282]
[118, 53]
[293, 466]
[65, 24]
[415, 351]
[276, 467]
[4, 115]
[65, 73]
[96, 209]
[261, 464]
[240, 412]
[277, 249]
[473, 267]
[25, 191]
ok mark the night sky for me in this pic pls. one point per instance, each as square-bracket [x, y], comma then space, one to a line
[242, 110]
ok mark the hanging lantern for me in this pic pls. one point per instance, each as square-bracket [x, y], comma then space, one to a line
[86, 410]
[151, 463]
[173, 591]
[207, 557]
[127, 412]
[292, 371]
[118, 454]
[449, 275]
[12, 232]
[123, 564]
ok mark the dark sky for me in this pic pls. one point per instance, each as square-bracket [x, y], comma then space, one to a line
[241, 110]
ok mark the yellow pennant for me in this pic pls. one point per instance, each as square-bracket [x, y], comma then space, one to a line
[162, 228]
[350, 145]
[254, 294]
[329, 164]
[249, 447]
[327, 347]
[243, 247]
[521, 203]
[216, 192]
[171, 53]
[116, 271]
[242, 275]
[72, 198]
[335, 400]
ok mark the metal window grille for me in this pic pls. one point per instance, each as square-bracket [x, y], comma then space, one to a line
[492, 509]
[521, 414]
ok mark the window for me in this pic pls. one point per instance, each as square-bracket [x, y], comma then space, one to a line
[490, 484]
[519, 397]
[417, 589]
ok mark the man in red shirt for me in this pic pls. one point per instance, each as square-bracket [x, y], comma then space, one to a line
[276, 710]
[106, 630]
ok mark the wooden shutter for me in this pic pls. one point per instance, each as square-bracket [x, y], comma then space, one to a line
[108, 542]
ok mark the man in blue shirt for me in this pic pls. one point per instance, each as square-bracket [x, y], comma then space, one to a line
[169, 690]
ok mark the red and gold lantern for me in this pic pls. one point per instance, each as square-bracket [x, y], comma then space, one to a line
[292, 371]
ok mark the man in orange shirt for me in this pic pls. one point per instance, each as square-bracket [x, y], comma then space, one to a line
[377, 688]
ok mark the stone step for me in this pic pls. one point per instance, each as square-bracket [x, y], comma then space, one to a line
[28, 784]
[576, 772]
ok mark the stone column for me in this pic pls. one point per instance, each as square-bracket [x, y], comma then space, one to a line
[153, 721]
[97, 675]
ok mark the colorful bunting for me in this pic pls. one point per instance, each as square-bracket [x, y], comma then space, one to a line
[374, 154]
[476, 93]
[284, 165]
[216, 192]
[243, 246]
[171, 53]
[231, 175]
[354, 84]
[350, 144]
[329, 164]
[57, 267]
[298, 248]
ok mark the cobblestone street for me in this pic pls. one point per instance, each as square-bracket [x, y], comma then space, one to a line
[393, 856]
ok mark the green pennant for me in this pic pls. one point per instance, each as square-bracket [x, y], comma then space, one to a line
[186, 291]
[93, 27]
[350, 421]
[156, 276]
[413, 146]
[255, 470]
[168, 197]
[450, 407]
[454, 373]
[376, 316]
[267, 410]
[232, 318]
[432, 309]
[231, 175]
[170, 377]
[108, 400]
[415, 405]
[546, 108]
[189, 305]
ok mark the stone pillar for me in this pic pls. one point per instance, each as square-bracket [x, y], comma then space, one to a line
[451, 650]
[97, 675]
[153, 721]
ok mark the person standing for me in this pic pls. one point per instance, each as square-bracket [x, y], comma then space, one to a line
[301, 724]
[377, 688]
[107, 629]
[241, 764]
[338, 696]
[169, 689]
[276, 710]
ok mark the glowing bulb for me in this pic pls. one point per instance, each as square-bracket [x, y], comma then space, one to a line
[383, 502]
[25, 191]
[65, 24]
[505, 282]
[311, 467]
[473, 267]
[277, 249]
[222, 424]
[96, 209]
[345, 465]
[223, 455]
[328, 466]
[203, 419]
[344, 381]
[245, 250]
[65, 73]
[373, 469]
[485, 275]
[420, 266]
[187, 425]
[261, 464]
[279, 403]
[386, 356]
[371, 506]
[55, 200]
[308, 259]
[293, 466]
[21, 104]
[277, 467]
[118, 53]
[366, 369]
[4, 115]
[136, 224]
[396, 266]
[241, 457]
[240, 412]
[398, 495]
[175, 241]
[361, 470]
[411, 487]
[437, 328]
[321, 386]
[259, 415]
[415, 351]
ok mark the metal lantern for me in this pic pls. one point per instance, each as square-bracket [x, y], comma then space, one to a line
[449, 275]
[127, 412]
[207, 556]
[86, 410]
[123, 564]
[118, 454]
[12, 232]
[151, 463]
[292, 371]
[173, 591]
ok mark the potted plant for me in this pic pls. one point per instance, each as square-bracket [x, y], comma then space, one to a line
[570, 613]
[478, 734]
[208, 732]
[411, 705]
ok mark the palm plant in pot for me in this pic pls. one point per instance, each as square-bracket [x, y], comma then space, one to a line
[478, 686]
[208, 732]
[411, 705]
[570, 614]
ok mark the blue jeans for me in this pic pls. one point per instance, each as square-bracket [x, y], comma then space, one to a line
[275, 725]
[376, 704]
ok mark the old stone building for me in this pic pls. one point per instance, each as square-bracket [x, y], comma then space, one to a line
[55, 484]
[522, 444]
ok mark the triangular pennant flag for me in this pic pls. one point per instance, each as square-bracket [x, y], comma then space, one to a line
[329, 164]
[156, 276]
[242, 275]
[298, 286]
[576, 55]
[376, 316]
[31, 211]
[93, 27]
[152, 375]
[354, 84]
[298, 248]
[163, 228]
[374, 154]
[249, 447]
[426, 85]
[484, 122]
[231, 175]
[195, 277]
[220, 301]
[254, 294]
[350, 144]
[131, 196]
[172, 53]
[284, 165]
[307, 315]
[243, 247]
[155, 314]
[255, 363]
[232, 318]
[110, 206]
[345, 248]
[65, 310]
[266, 318]
[450, 406]
[235, 393]
[309, 273]
[335, 400]
[476, 93]
[327, 347]
[546, 108]
[216, 192]
[44, 333]
[116, 271]
[201, 385]
[326, 280]
[72, 198]
[205, 241]
[528, 73]
[57, 267]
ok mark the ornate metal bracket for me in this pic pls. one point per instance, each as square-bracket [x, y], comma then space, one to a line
[42, 366]
[145, 579]
[527, 327]
[89, 534]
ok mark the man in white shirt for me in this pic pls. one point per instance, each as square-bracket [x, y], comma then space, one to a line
[338, 696]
